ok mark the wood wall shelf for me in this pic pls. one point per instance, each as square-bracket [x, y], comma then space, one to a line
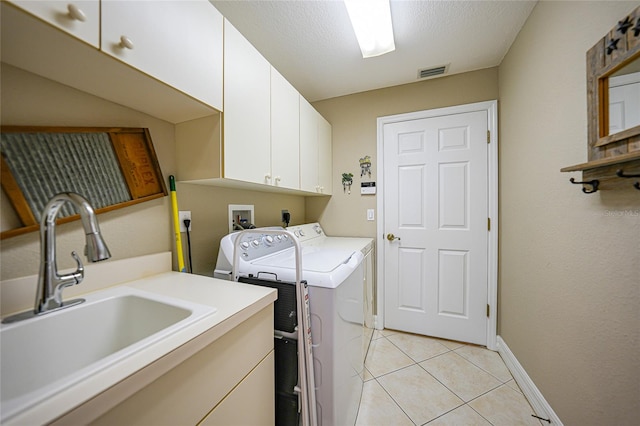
[603, 162]
[616, 55]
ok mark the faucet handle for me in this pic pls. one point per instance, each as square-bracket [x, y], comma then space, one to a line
[74, 277]
[68, 280]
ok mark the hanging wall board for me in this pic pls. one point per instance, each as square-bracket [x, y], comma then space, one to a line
[111, 167]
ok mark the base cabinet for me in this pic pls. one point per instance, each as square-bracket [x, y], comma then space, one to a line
[213, 386]
[248, 404]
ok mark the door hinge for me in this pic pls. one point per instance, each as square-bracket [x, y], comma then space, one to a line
[488, 310]
[488, 136]
[488, 224]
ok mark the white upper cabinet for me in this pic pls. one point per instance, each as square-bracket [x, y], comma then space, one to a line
[315, 150]
[308, 147]
[285, 133]
[177, 42]
[247, 110]
[80, 18]
[173, 72]
[325, 160]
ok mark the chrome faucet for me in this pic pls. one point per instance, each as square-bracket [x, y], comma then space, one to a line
[50, 282]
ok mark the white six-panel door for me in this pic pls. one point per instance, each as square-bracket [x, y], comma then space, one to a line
[435, 246]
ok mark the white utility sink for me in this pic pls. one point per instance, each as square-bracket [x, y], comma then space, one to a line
[47, 354]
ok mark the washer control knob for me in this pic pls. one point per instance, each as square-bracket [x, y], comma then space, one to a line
[268, 240]
[317, 229]
[255, 243]
[244, 245]
[301, 233]
[278, 238]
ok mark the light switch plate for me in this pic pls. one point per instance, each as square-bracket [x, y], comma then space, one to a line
[370, 214]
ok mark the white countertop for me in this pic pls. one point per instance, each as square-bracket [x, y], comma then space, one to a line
[235, 302]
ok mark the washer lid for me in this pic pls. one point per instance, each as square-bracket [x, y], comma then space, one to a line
[320, 267]
[313, 259]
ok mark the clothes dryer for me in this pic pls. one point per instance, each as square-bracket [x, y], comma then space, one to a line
[312, 234]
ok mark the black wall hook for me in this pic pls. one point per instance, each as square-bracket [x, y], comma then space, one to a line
[620, 173]
[593, 183]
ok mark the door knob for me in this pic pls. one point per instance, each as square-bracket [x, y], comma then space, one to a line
[392, 237]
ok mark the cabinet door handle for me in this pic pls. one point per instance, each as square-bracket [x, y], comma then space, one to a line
[126, 42]
[76, 13]
[278, 179]
[267, 177]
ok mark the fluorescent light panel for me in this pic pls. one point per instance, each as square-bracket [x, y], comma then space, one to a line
[371, 20]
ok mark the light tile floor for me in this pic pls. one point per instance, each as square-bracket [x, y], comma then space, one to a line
[418, 380]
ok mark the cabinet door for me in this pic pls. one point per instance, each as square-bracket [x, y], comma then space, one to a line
[285, 133]
[308, 147]
[80, 18]
[247, 106]
[252, 402]
[324, 156]
[177, 42]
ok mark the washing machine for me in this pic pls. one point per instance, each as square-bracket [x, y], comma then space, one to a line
[335, 279]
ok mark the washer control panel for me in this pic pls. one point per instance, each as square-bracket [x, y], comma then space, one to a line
[255, 244]
[307, 232]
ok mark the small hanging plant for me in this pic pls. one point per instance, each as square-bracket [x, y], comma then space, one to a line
[347, 181]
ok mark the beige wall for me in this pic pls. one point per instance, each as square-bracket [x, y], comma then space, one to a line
[210, 211]
[132, 231]
[353, 119]
[569, 262]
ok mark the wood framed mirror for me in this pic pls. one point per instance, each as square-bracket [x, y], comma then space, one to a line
[613, 106]
[619, 106]
[613, 79]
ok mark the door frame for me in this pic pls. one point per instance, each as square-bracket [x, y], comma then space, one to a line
[491, 107]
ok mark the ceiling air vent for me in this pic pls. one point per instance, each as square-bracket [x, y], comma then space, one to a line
[432, 72]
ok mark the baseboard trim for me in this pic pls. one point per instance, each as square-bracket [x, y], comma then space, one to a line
[540, 405]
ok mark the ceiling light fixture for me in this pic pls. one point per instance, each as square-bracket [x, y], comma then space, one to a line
[371, 21]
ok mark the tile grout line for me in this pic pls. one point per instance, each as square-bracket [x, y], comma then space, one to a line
[483, 369]
[390, 372]
[394, 400]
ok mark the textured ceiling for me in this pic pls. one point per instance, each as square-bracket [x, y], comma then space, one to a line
[312, 44]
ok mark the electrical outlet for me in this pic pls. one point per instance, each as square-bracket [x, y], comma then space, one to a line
[182, 215]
